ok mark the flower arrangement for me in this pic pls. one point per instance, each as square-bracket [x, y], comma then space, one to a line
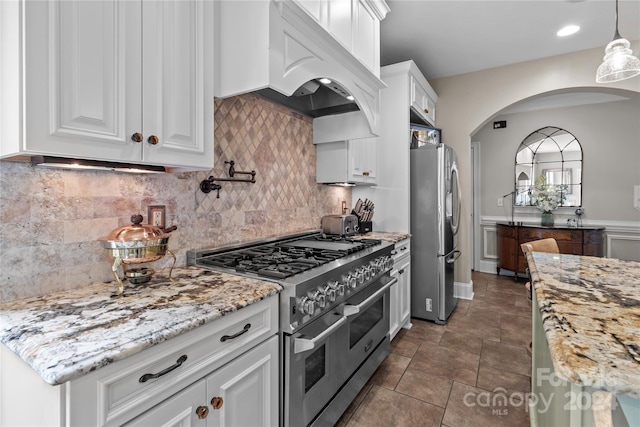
[547, 197]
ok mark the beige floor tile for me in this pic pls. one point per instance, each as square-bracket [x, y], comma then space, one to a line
[454, 364]
[516, 322]
[505, 357]
[390, 371]
[517, 338]
[383, 407]
[460, 341]
[491, 379]
[428, 387]
[473, 407]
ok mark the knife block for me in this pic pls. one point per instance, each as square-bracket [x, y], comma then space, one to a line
[365, 226]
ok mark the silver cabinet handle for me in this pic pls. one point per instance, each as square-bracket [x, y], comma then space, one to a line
[350, 310]
[303, 344]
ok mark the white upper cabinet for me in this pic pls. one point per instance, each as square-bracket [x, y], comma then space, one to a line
[282, 45]
[355, 24]
[128, 81]
[423, 98]
[353, 161]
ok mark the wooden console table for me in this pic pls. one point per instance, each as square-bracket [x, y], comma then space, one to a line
[576, 241]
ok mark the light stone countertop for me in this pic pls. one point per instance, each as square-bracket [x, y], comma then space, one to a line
[384, 235]
[68, 334]
[590, 309]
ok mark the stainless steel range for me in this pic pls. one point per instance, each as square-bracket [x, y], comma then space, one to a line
[334, 314]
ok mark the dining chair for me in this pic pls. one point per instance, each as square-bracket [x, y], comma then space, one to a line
[548, 245]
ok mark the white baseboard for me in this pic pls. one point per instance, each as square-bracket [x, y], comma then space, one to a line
[488, 266]
[463, 290]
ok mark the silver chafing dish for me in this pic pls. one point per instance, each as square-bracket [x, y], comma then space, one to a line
[137, 244]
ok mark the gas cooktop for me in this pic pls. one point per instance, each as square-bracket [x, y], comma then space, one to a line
[284, 258]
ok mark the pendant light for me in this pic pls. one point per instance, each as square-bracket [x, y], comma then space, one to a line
[619, 62]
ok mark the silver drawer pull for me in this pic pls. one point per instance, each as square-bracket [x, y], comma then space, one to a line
[236, 335]
[147, 377]
[304, 344]
[350, 310]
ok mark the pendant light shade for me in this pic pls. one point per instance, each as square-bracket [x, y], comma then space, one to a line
[619, 62]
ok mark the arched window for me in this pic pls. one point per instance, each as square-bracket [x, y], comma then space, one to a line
[555, 155]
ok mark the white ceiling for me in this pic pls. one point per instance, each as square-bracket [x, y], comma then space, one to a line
[452, 37]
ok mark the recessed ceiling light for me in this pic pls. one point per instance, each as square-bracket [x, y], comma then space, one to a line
[325, 81]
[568, 30]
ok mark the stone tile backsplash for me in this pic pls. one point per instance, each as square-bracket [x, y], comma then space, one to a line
[50, 219]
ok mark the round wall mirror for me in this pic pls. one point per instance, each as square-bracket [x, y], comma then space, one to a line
[552, 154]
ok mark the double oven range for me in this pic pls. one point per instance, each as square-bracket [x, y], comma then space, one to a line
[334, 314]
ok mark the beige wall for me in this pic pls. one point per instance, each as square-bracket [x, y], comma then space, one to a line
[50, 219]
[466, 102]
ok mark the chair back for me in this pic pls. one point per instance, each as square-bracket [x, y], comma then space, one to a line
[543, 245]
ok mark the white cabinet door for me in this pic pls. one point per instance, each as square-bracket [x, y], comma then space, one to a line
[179, 410]
[245, 391]
[394, 306]
[362, 160]
[422, 102]
[340, 21]
[366, 43]
[404, 291]
[82, 79]
[177, 82]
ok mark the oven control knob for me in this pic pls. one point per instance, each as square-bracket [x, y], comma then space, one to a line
[307, 306]
[366, 271]
[329, 291]
[349, 280]
[338, 288]
[359, 277]
[375, 267]
[319, 299]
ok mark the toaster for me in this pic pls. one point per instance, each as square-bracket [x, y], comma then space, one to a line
[343, 225]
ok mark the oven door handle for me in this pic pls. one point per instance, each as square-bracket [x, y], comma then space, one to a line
[301, 345]
[350, 310]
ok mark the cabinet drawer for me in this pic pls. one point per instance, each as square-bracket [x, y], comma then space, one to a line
[401, 250]
[527, 235]
[123, 393]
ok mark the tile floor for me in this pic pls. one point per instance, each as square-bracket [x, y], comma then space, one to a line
[474, 371]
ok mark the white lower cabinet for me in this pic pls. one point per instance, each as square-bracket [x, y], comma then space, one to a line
[234, 358]
[400, 307]
[244, 392]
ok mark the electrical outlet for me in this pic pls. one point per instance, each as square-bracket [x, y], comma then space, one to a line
[636, 197]
[500, 201]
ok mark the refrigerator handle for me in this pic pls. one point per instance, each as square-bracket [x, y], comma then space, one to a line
[454, 256]
[454, 226]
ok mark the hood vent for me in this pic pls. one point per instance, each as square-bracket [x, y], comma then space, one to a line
[315, 98]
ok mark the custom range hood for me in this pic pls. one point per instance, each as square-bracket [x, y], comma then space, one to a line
[285, 57]
[316, 98]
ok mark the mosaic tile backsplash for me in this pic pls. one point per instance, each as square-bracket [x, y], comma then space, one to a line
[50, 220]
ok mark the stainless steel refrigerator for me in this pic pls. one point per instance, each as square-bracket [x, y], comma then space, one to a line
[435, 214]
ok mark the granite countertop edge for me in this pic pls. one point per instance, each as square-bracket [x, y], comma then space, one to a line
[391, 236]
[583, 349]
[66, 335]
